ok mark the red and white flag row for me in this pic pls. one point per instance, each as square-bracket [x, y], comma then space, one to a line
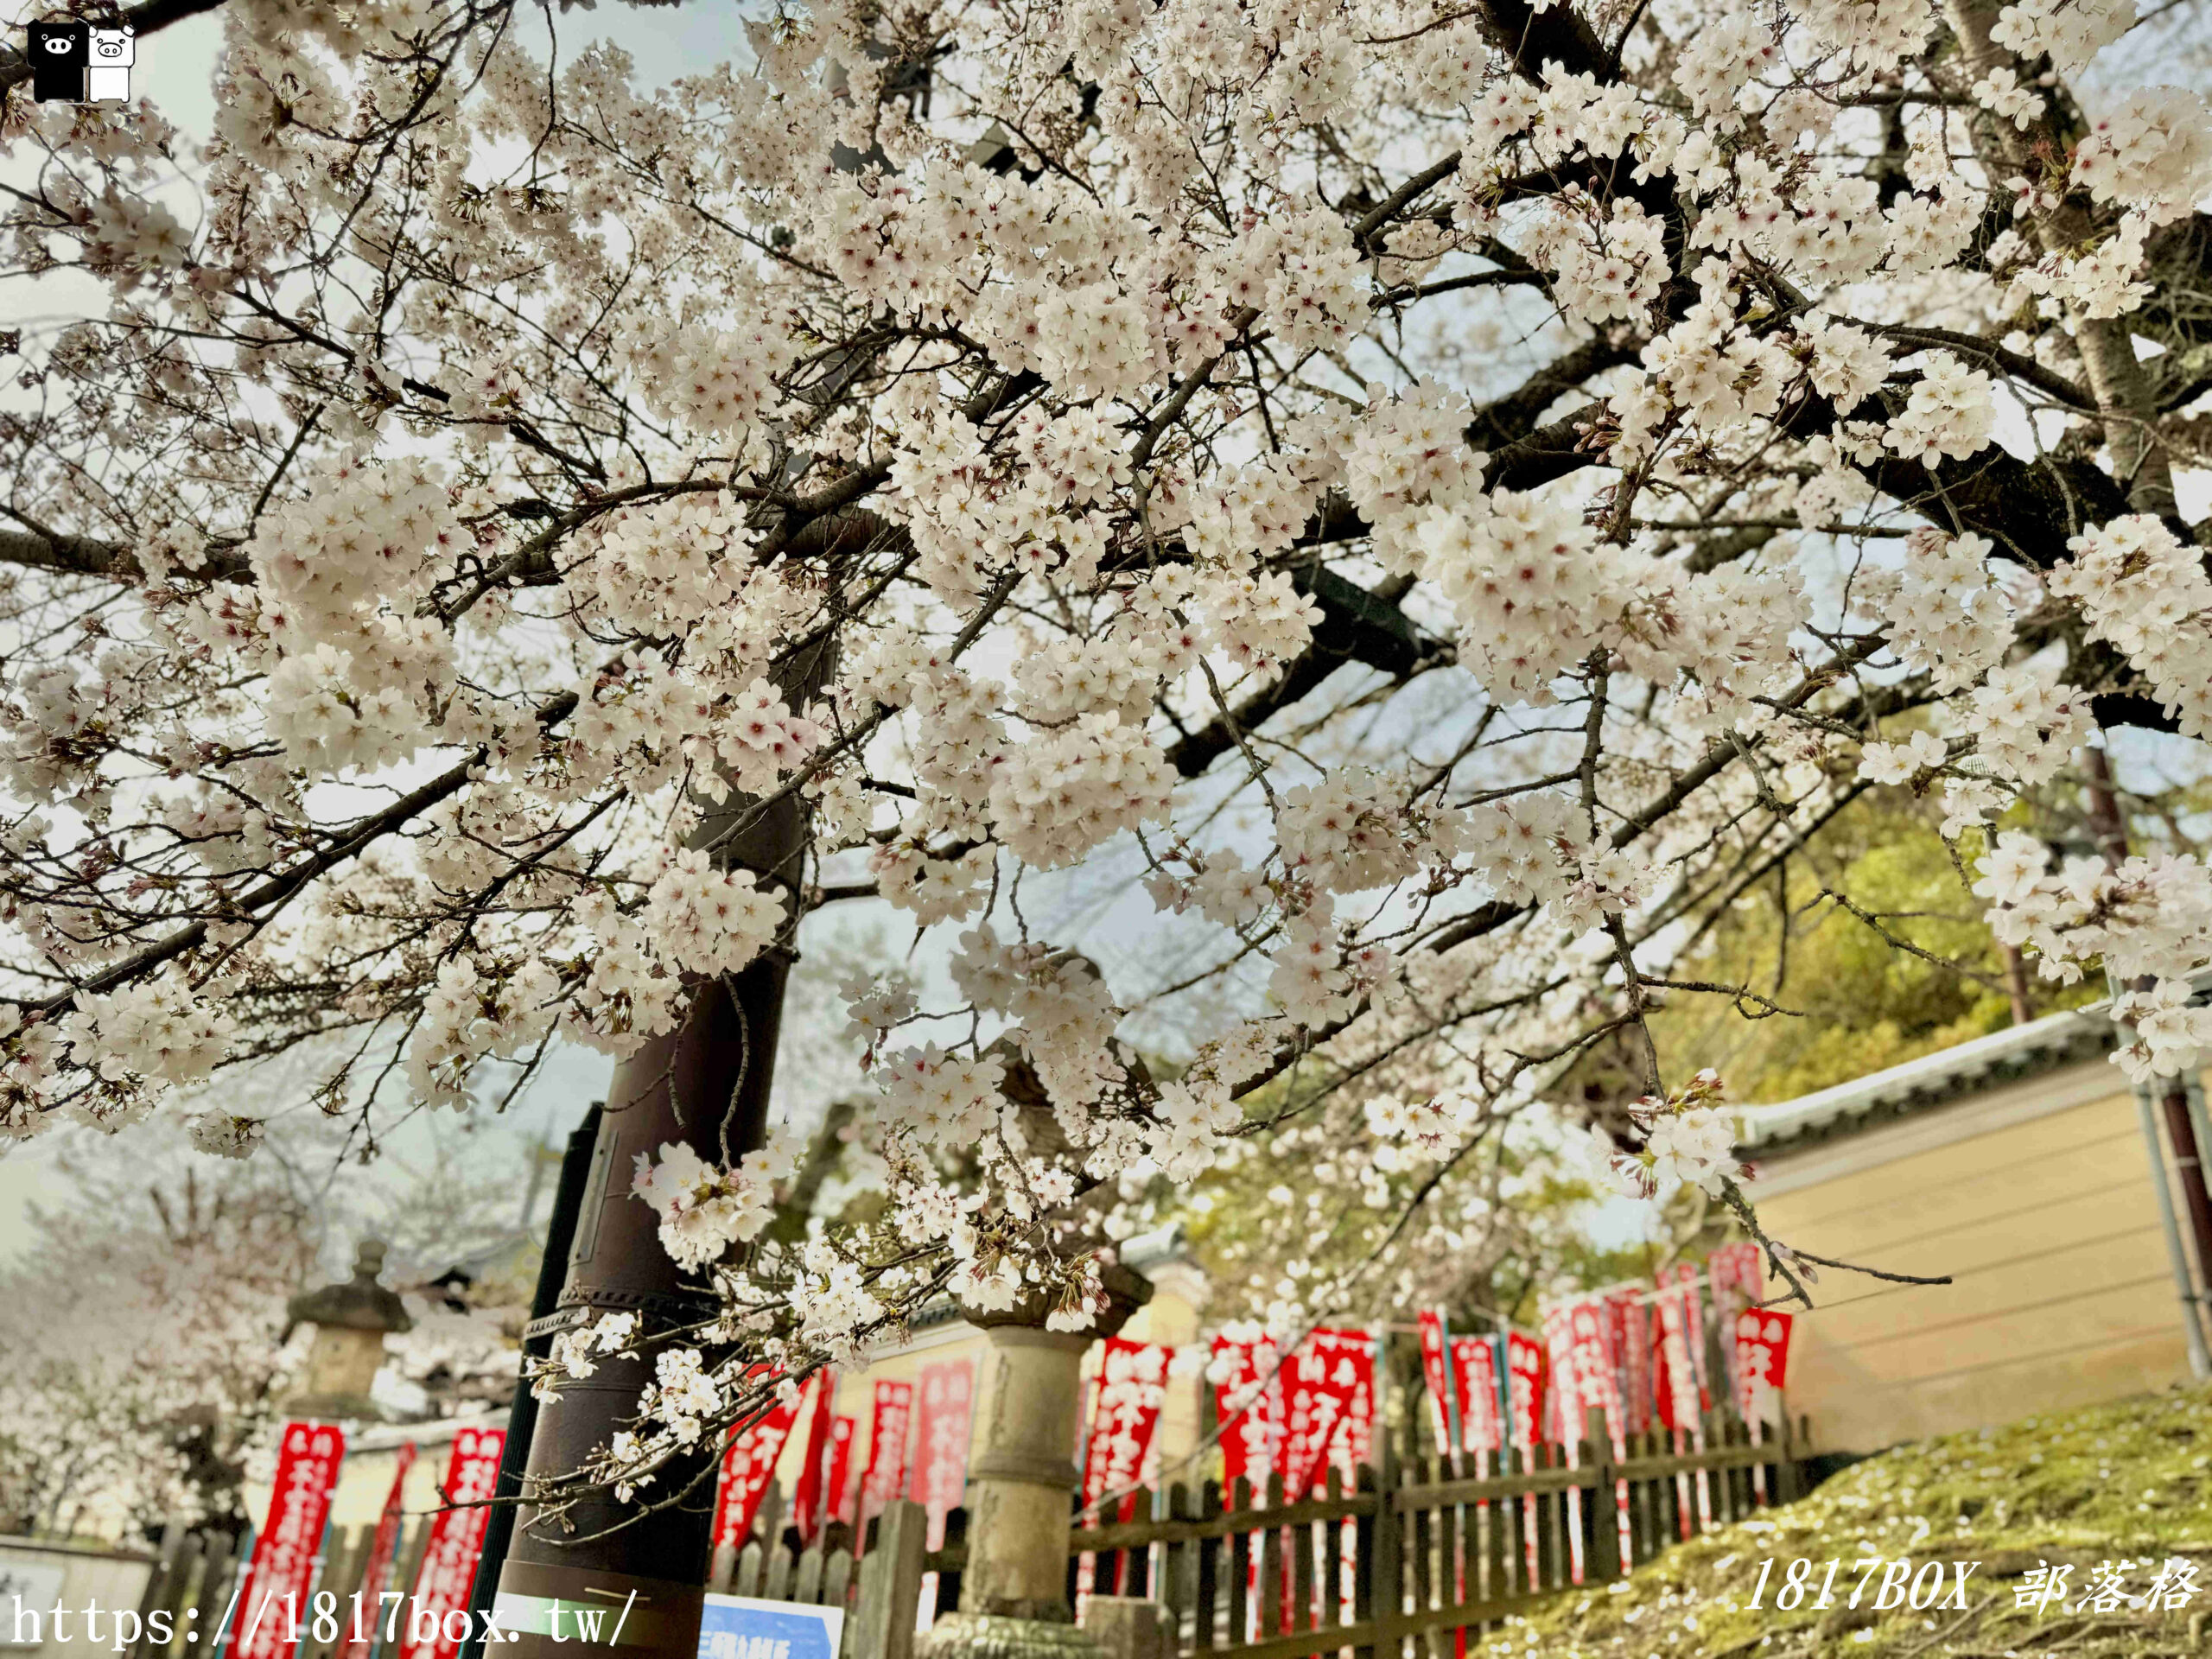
[272, 1610]
[1295, 1415]
[918, 1447]
[1636, 1358]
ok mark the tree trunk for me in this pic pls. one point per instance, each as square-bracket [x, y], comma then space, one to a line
[705, 1085]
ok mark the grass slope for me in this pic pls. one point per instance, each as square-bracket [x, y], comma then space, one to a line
[2124, 1482]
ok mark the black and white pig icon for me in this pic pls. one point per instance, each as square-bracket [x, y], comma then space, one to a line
[60, 54]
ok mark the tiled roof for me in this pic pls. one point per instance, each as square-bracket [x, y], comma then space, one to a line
[2002, 1057]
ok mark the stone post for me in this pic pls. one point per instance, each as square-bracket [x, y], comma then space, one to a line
[1129, 1627]
[351, 1320]
[1021, 1484]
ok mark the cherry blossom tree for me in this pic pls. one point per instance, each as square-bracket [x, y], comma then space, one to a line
[151, 1346]
[1434, 499]
[145, 1361]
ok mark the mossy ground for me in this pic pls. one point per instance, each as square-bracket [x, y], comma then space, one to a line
[2130, 1481]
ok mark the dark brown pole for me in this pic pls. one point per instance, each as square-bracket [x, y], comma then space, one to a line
[522, 1413]
[645, 1563]
[2110, 830]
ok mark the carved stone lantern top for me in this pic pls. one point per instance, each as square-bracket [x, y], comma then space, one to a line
[361, 1303]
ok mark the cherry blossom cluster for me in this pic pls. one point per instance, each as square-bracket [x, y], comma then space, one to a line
[2142, 919]
[1410, 511]
[1947, 617]
[2153, 154]
[2146, 595]
[704, 1211]
[1686, 1139]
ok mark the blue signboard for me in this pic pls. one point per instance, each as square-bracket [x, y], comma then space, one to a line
[740, 1627]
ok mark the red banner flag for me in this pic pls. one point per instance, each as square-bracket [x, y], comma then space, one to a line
[1131, 1391]
[887, 1447]
[942, 1418]
[361, 1633]
[1566, 1402]
[1679, 1405]
[1733, 1271]
[1474, 1376]
[1762, 1363]
[841, 1468]
[1353, 1446]
[436, 1621]
[1247, 1397]
[1124, 1418]
[1323, 1383]
[1595, 1380]
[1681, 1395]
[1353, 1442]
[1693, 1306]
[1436, 1368]
[1599, 1382]
[1631, 1315]
[1525, 1375]
[271, 1610]
[809, 1508]
[1526, 1386]
[1570, 1398]
[748, 1465]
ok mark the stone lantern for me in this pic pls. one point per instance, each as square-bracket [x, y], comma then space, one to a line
[1022, 1477]
[1020, 1486]
[351, 1320]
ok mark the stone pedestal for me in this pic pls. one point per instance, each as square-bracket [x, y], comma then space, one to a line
[1019, 1482]
[1021, 1485]
[986, 1636]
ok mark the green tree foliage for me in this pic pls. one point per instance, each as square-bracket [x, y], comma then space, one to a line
[1871, 942]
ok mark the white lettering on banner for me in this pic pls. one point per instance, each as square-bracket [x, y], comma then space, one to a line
[1132, 1388]
[887, 1449]
[1248, 1396]
[1762, 1353]
[448, 1570]
[941, 1460]
[282, 1563]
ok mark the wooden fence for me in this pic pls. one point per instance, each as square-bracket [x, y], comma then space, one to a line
[1414, 1549]
[869, 1573]
[1387, 1566]
[195, 1574]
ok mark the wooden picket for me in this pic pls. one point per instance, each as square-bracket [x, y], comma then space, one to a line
[882, 1626]
[193, 1575]
[863, 1574]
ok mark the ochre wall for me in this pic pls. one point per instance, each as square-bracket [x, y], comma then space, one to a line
[2062, 1292]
